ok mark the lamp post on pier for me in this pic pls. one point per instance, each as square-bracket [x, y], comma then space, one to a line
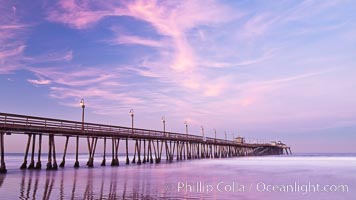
[215, 134]
[131, 113]
[164, 125]
[76, 164]
[225, 135]
[186, 128]
[168, 156]
[215, 146]
[83, 108]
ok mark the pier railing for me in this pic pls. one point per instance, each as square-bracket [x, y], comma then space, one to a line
[32, 124]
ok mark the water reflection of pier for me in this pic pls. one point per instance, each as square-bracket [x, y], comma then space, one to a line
[87, 185]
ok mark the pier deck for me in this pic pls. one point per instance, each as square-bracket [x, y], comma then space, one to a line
[176, 145]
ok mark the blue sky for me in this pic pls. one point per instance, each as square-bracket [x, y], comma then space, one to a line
[265, 70]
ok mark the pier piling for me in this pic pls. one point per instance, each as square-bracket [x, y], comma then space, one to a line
[2, 152]
[38, 164]
[139, 152]
[64, 153]
[134, 158]
[24, 164]
[144, 152]
[54, 166]
[76, 164]
[32, 163]
[103, 163]
[127, 152]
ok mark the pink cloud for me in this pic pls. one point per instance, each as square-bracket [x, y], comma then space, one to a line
[80, 77]
[102, 88]
[13, 27]
[51, 56]
[11, 52]
[258, 25]
[172, 19]
[245, 62]
[12, 33]
[130, 39]
[39, 82]
[14, 9]
[76, 14]
[289, 102]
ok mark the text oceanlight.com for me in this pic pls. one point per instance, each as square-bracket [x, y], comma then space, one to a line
[301, 188]
[261, 187]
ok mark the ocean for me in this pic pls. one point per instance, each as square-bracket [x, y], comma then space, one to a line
[299, 176]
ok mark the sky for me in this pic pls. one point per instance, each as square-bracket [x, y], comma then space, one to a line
[265, 70]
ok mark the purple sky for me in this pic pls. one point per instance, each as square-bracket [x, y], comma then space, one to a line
[265, 70]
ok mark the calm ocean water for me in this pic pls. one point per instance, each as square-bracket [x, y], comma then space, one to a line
[318, 176]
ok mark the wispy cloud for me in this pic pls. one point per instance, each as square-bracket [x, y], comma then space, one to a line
[79, 77]
[259, 24]
[39, 82]
[11, 39]
[171, 19]
[135, 40]
[309, 8]
[76, 14]
[11, 52]
[242, 62]
[294, 78]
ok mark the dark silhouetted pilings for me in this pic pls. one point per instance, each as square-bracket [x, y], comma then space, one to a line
[176, 146]
[103, 163]
[38, 164]
[91, 148]
[2, 152]
[115, 152]
[139, 151]
[149, 152]
[76, 164]
[51, 154]
[144, 152]
[64, 153]
[127, 152]
[24, 164]
[32, 163]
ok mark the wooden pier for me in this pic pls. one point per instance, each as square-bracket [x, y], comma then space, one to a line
[148, 144]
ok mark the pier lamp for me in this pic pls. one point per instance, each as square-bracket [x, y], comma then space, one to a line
[202, 132]
[186, 128]
[131, 113]
[164, 125]
[83, 107]
[76, 164]
[215, 133]
[225, 135]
